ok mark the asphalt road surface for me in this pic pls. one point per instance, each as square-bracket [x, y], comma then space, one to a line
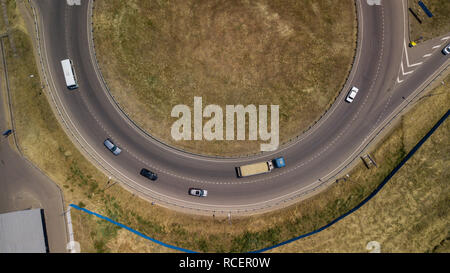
[90, 116]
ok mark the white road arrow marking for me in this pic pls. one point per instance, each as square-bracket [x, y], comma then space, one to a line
[373, 2]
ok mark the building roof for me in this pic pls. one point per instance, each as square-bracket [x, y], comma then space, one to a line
[23, 232]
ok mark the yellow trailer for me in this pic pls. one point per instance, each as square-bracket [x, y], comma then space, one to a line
[255, 168]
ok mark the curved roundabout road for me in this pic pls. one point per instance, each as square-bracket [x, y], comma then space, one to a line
[89, 115]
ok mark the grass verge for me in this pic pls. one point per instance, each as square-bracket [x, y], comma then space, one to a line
[155, 55]
[44, 142]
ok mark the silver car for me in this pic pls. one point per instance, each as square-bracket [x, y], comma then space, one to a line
[198, 192]
[112, 147]
[352, 94]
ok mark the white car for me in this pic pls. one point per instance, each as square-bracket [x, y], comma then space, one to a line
[112, 147]
[198, 192]
[446, 50]
[352, 94]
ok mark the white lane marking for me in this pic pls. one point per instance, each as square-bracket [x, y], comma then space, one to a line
[374, 247]
[407, 59]
[321, 120]
[405, 50]
[437, 46]
[404, 41]
[445, 38]
[73, 246]
[427, 55]
[373, 2]
[396, 110]
[136, 186]
[74, 2]
[403, 70]
[235, 160]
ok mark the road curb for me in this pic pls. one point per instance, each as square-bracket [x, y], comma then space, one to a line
[313, 188]
[256, 155]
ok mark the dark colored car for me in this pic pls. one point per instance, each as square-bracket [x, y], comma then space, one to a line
[352, 94]
[198, 192]
[446, 50]
[149, 174]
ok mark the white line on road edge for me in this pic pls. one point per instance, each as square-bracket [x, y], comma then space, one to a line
[436, 46]
[134, 187]
[427, 55]
[405, 49]
[445, 38]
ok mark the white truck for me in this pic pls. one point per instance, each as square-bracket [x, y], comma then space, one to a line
[260, 168]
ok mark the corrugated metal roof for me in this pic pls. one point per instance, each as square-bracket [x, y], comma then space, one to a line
[22, 232]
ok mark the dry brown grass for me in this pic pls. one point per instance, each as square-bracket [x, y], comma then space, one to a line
[155, 55]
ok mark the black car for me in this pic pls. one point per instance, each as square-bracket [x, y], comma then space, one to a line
[446, 50]
[149, 174]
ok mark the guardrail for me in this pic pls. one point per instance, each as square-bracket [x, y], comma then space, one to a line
[358, 206]
[318, 185]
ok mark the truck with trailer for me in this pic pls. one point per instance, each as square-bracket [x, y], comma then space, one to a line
[260, 167]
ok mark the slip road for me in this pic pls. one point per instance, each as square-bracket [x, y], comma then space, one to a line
[226, 263]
